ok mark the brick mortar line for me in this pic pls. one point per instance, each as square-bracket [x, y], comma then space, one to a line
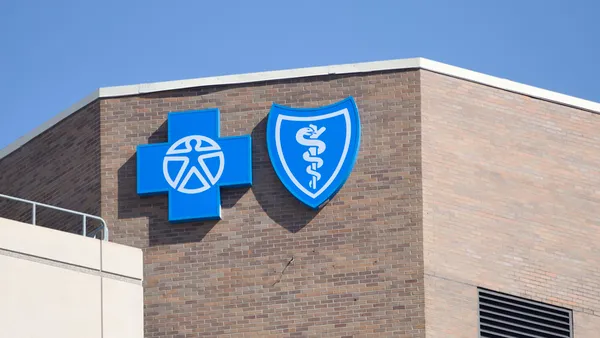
[457, 206]
[478, 286]
[72, 267]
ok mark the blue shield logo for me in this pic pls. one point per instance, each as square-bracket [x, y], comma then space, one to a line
[313, 150]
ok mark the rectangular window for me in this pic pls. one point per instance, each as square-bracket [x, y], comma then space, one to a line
[505, 316]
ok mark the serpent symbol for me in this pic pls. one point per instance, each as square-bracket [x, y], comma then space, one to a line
[316, 147]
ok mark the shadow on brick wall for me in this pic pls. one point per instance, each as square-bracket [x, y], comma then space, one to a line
[155, 208]
[273, 197]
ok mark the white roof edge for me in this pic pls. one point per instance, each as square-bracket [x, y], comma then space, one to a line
[258, 77]
[46, 125]
[365, 67]
[509, 85]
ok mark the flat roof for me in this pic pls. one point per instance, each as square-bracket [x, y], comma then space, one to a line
[364, 67]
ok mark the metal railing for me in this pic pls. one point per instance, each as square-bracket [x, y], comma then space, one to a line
[102, 229]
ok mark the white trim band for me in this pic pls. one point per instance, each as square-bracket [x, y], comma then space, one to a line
[366, 67]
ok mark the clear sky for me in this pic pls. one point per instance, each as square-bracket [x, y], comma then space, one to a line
[54, 53]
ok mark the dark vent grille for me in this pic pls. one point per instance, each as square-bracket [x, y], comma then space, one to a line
[504, 316]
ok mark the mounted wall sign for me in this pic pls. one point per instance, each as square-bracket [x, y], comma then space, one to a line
[313, 150]
[194, 165]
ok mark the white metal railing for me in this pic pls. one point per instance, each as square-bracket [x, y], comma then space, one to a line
[103, 229]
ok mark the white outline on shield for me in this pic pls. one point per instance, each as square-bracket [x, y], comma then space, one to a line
[280, 118]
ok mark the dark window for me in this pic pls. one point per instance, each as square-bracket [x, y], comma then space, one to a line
[505, 316]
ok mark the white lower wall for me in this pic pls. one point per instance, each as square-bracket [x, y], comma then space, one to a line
[123, 309]
[40, 300]
[48, 289]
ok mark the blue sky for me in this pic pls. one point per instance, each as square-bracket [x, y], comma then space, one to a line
[53, 53]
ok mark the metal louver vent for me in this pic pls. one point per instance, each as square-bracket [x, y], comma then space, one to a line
[504, 316]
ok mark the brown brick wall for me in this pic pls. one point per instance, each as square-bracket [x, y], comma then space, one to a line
[357, 266]
[511, 199]
[508, 200]
[60, 167]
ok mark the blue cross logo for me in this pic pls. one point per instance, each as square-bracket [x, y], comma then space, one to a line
[194, 165]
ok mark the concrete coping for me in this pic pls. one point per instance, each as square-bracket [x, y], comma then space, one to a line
[355, 68]
[71, 249]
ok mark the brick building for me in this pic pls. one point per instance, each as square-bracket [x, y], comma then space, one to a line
[473, 206]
